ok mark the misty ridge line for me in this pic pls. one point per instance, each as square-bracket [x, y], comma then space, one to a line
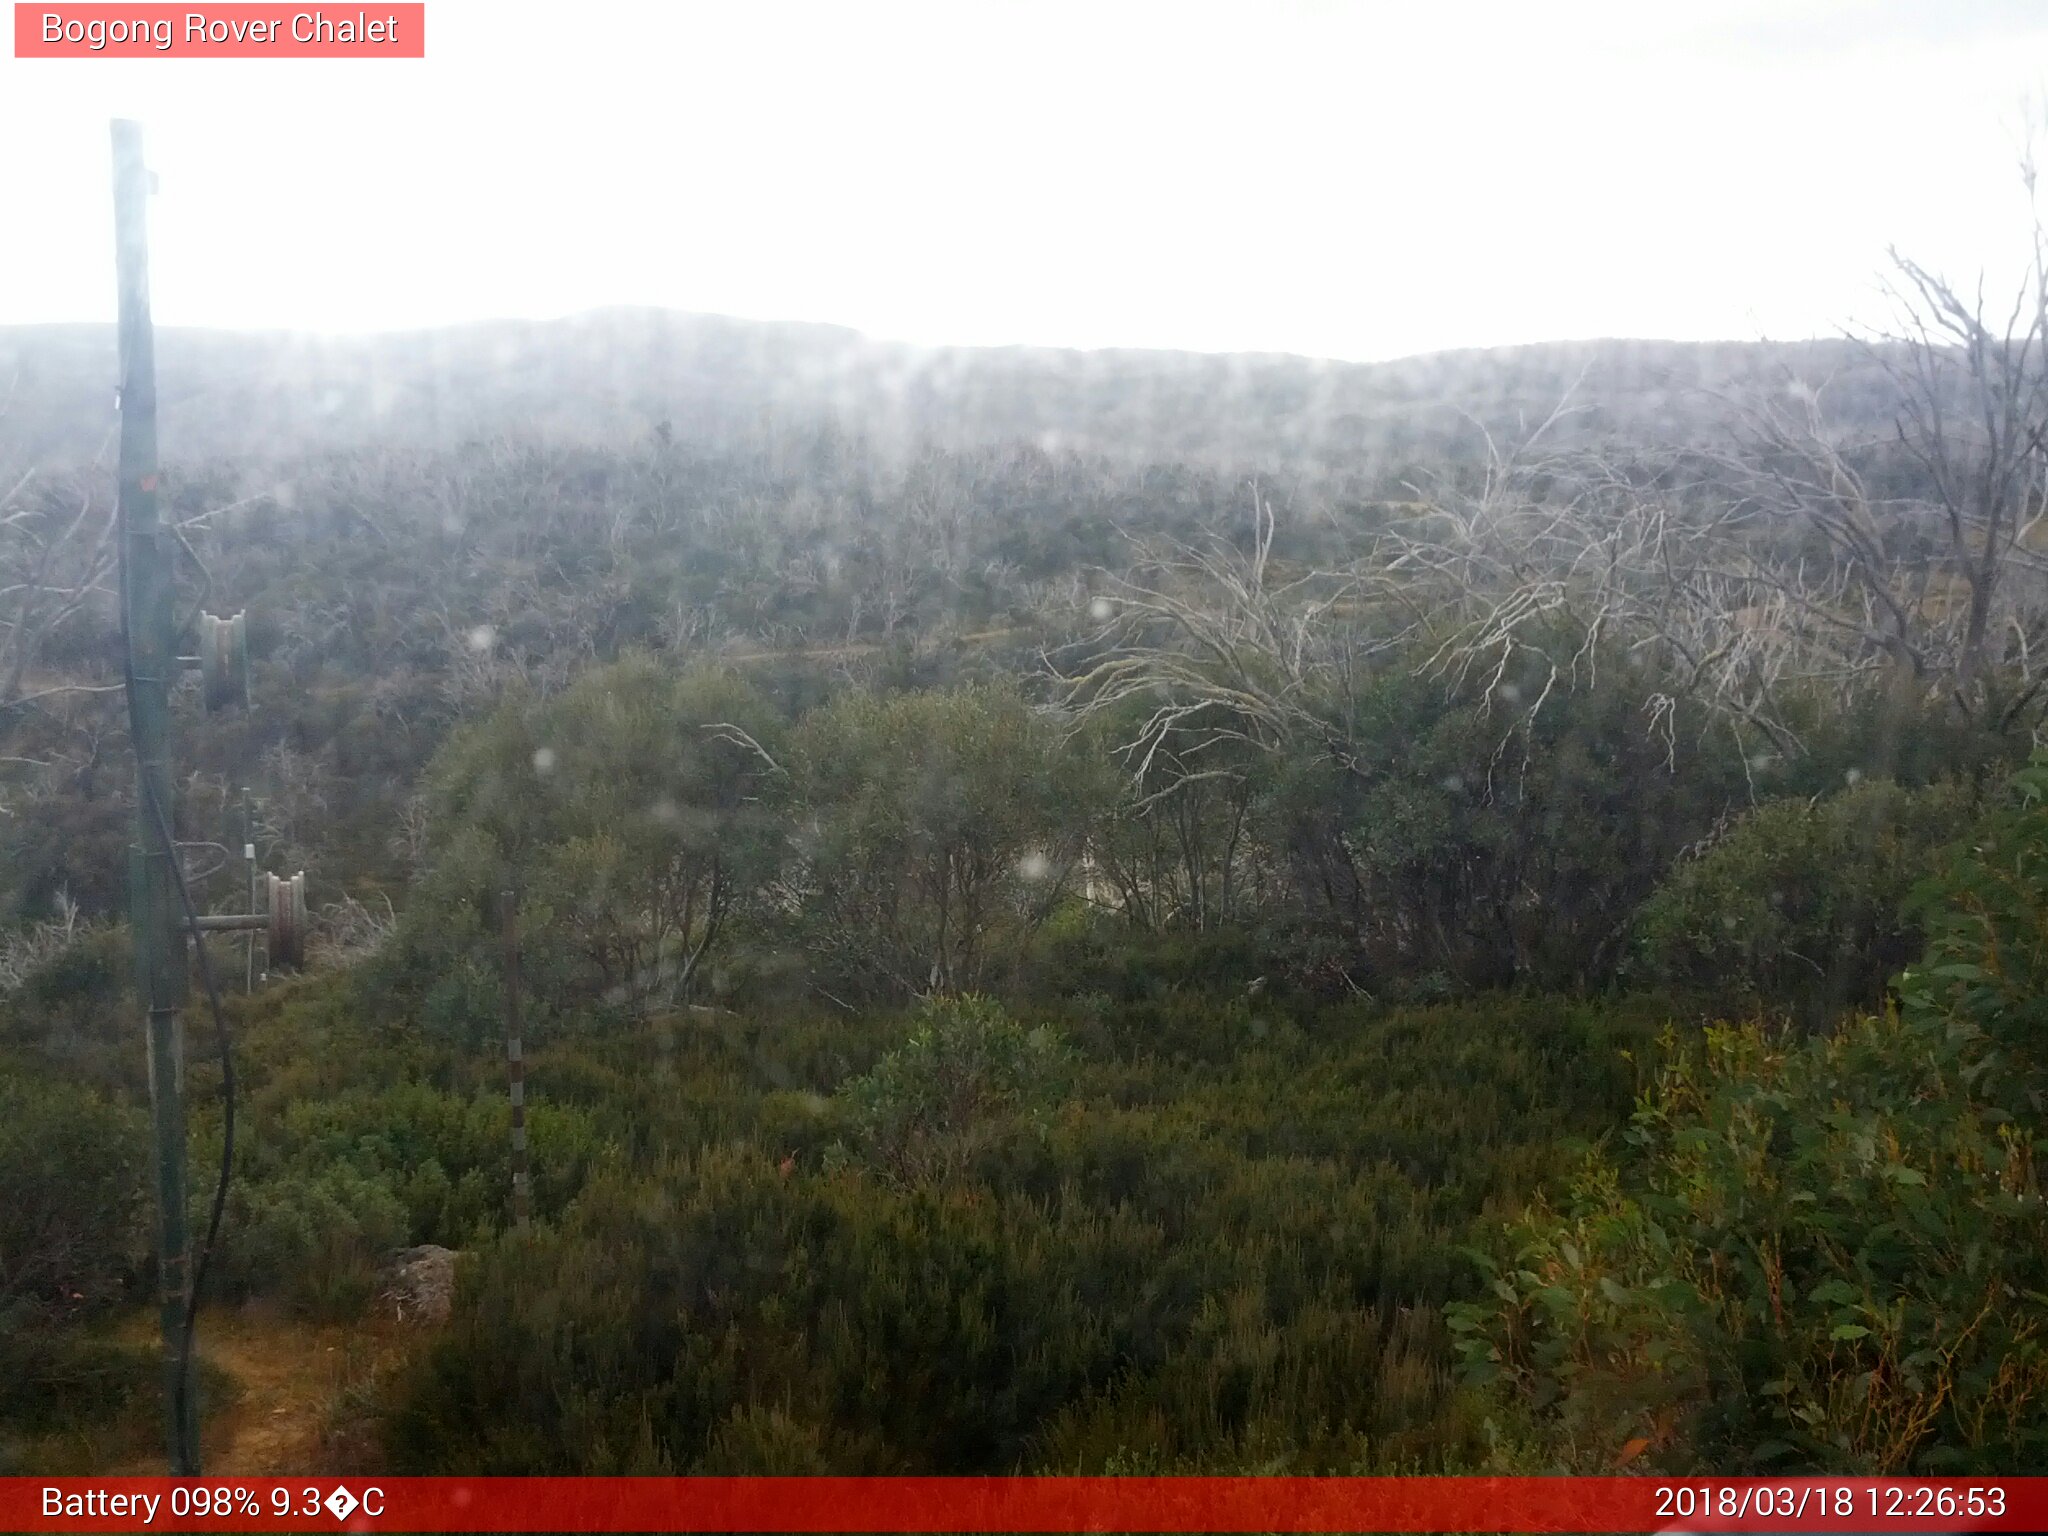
[618, 373]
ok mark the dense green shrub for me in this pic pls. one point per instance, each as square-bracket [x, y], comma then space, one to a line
[52, 1379]
[1801, 903]
[1082, 952]
[967, 1073]
[1826, 1253]
[636, 814]
[1819, 1255]
[1230, 1244]
[313, 1238]
[943, 828]
[73, 1243]
[1984, 977]
[1488, 830]
[326, 1188]
[75, 1009]
[72, 1198]
[443, 971]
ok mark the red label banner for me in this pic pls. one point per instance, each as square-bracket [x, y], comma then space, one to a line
[229, 31]
[1017, 1504]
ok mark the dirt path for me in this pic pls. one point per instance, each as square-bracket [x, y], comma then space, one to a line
[290, 1412]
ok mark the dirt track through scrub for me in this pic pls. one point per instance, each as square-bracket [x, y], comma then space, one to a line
[288, 1415]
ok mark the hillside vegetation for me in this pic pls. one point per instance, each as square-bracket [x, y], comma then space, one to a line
[1125, 913]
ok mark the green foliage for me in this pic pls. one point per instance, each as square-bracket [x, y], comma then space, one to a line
[1203, 1217]
[1826, 1253]
[73, 1244]
[328, 1187]
[72, 1219]
[635, 814]
[1801, 903]
[314, 1239]
[1180, 849]
[1491, 832]
[1081, 951]
[74, 1009]
[1821, 1255]
[58, 1379]
[943, 827]
[64, 843]
[665, 797]
[967, 1074]
[1985, 974]
[1230, 1242]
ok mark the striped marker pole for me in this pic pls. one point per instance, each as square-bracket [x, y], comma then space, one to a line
[255, 888]
[515, 1063]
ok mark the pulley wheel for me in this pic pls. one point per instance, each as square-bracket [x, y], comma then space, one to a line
[287, 932]
[224, 661]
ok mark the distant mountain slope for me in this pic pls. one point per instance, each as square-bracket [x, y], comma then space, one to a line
[718, 380]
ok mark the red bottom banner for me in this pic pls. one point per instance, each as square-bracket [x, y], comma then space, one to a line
[1050, 1504]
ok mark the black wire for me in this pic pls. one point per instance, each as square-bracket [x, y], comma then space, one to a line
[187, 1438]
[227, 1115]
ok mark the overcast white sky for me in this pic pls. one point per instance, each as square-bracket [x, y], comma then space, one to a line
[1358, 180]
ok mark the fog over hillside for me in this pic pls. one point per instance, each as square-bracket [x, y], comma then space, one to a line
[1284, 740]
[616, 373]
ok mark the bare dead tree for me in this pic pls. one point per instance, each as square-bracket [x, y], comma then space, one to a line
[56, 559]
[26, 949]
[1974, 414]
[348, 931]
[1215, 652]
[1787, 565]
[1545, 560]
[1563, 560]
[1943, 586]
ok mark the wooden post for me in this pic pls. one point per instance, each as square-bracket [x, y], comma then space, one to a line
[515, 1061]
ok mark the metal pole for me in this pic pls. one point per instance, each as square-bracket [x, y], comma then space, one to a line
[146, 583]
[515, 1062]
